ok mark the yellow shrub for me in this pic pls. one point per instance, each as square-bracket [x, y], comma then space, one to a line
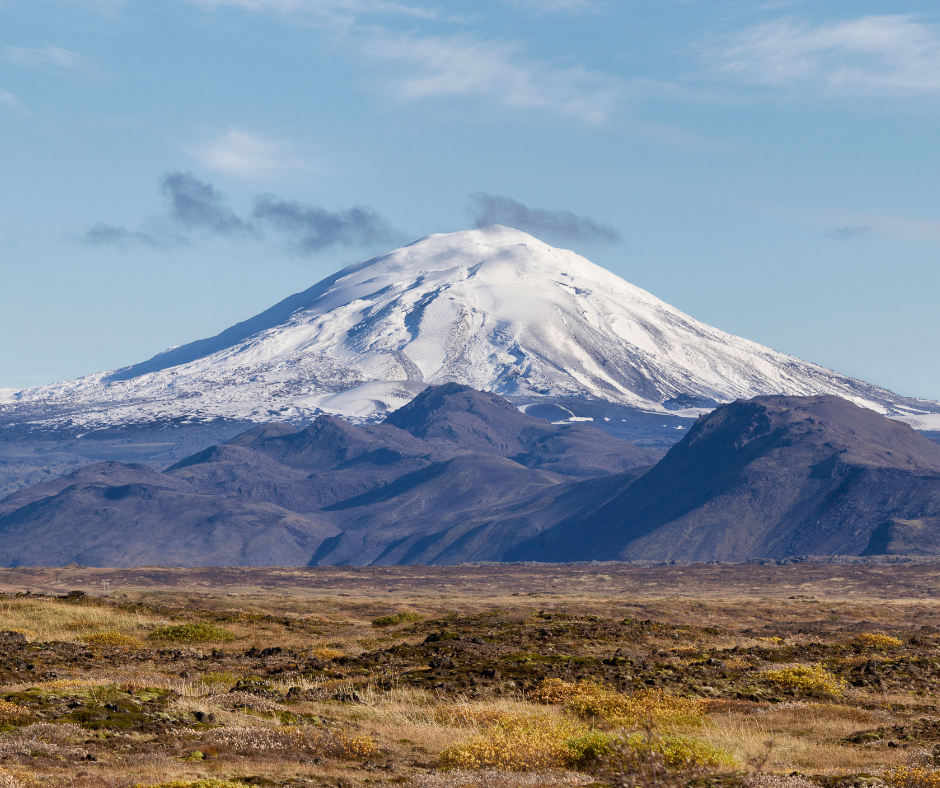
[349, 746]
[324, 652]
[594, 701]
[556, 691]
[524, 742]
[8, 780]
[681, 752]
[914, 777]
[809, 678]
[10, 711]
[877, 640]
[111, 639]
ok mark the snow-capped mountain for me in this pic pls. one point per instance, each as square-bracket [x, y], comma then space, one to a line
[493, 308]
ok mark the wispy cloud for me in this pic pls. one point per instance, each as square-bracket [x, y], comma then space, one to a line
[101, 234]
[438, 66]
[417, 67]
[10, 100]
[326, 8]
[907, 227]
[856, 225]
[888, 55]
[245, 155]
[196, 207]
[44, 56]
[548, 6]
[848, 231]
[560, 225]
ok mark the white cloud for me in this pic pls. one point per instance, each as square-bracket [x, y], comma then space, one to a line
[10, 100]
[324, 7]
[426, 67]
[911, 228]
[462, 66]
[554, 5]
[890, 55]
[245, 155]
[44, 56]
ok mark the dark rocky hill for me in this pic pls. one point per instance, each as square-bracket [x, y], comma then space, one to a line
[770, 477]
[459, 475]
[331, 493]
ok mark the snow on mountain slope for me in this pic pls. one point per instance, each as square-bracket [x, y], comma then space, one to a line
[493, 308]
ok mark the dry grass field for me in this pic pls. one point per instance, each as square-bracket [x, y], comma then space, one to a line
[441, 677]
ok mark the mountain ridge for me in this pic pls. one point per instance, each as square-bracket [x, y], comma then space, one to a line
[459, 475]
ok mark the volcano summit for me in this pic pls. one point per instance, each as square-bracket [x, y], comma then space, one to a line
[494, 308]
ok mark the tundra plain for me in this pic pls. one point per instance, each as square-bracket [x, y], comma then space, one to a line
[798, 675]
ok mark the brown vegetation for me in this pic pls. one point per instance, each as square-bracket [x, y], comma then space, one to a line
[226, 678]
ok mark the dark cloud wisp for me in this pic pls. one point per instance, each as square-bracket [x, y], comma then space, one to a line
[195, 206]
[848, 232]
[314, 229]
[110, 235]
[561, 225]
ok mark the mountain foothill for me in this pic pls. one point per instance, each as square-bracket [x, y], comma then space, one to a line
[460, 475]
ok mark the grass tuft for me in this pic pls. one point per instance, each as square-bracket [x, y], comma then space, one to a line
[206, 783]
[329, 743]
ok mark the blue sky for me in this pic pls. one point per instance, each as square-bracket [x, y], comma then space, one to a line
[171, 168]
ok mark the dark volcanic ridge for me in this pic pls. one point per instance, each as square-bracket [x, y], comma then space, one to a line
[457, 475]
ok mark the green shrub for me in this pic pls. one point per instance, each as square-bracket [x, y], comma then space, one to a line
[680, 752]
[111, 639]
[590, 746]
[191, 633]
[395, 618]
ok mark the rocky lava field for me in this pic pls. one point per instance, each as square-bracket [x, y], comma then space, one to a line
[794, 675]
